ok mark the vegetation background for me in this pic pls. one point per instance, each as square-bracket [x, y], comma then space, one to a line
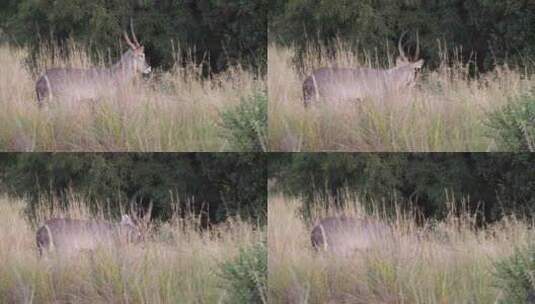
[219, 33]
[211, 186]
[492, 185]
[488, 33]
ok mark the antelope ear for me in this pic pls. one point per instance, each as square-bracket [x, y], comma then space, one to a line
[126, 220]
[418, 64]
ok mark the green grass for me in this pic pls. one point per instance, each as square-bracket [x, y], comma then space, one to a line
[513, 126]
[246, 276]
[246, 124]
[515, 275]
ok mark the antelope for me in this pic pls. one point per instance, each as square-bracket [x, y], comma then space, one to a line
[89, 84]
[335, 84]
[343, 236]
[68, 236]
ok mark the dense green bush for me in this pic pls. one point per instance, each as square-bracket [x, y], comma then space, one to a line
[489, 31]
[246, 276]
[515, 275]
[492, 184]
[220, 33]
[513, 126]
[211, 185]
[246, 124]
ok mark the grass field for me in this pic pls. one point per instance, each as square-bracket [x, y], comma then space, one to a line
[173, 265]
[450, 263]
[176, 110]
[447, 111]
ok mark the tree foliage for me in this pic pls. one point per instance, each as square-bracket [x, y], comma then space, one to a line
[214, 185]
[487, 31]
[221, 32]
[493, 184]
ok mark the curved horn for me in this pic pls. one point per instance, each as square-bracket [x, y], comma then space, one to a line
[400, 47]
[133, 33]
[417, 55]
[128, 41]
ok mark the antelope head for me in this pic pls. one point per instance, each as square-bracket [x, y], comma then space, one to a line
[408, 67]
[136, 55]
[139, 224]
[130, 229]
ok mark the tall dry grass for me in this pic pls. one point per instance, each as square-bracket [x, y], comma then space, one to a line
[450, 261]
[176, 110]
[446, 112]
[175, 264]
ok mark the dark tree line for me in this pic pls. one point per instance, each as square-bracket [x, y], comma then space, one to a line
[217, 185]
[221, 32]
[493, 184]
[487, 31]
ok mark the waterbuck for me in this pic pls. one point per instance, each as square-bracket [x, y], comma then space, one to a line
[342, 236]
[67, 236]
[89, 84]
[343, 84]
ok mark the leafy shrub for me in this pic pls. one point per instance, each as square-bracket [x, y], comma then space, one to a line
[515, 275]
[513, 126]
[246, 124]
[246, 276]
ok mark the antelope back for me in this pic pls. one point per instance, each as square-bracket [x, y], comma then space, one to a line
[335, 84]
[68, 236]
[89, 84]
[344, 236]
